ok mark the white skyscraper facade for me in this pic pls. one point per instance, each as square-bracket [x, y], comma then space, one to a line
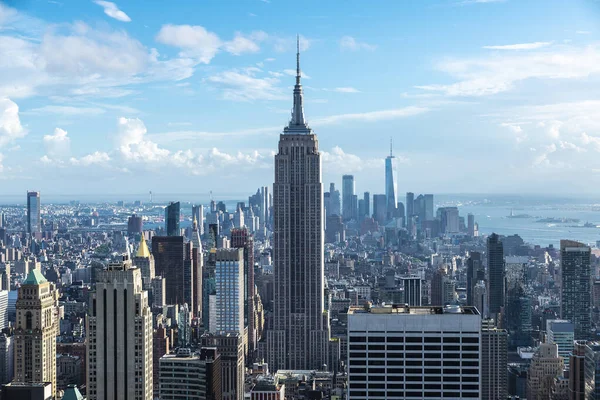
[414, 352]
[119, 357]
[300, 335]
[229, 279]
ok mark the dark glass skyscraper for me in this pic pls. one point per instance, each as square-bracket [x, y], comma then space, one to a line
[576, 286]
[300, 335]
[475, 273]
[348, 202]
[172, 219]
[495, 260]
[174, 261]
[34, 224]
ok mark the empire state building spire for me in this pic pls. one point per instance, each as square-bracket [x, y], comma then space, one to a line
[297, 123]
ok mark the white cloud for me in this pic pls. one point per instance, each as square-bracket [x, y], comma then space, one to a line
[66, 110]
[520, 46]
[349, 43]
[58, 145]
[337, 159]
[241, 44]
[571, 146]
[10, 123]
[513, 127]
[583, 32]
[133, 146]
[95, 158]
[244, 85]
[198, 43]
[113, 11]
[593, 141]
[372, 116]
[343, 90]
[75, 59]
[497, 73]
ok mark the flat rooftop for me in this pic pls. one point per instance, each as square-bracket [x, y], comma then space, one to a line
[408, 310]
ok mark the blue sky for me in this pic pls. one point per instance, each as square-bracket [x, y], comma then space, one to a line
[189, 96]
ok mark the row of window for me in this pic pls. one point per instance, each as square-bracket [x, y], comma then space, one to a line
[355, 354]
[356, 394]
[399, 372]
[413, 339]
[418, 347]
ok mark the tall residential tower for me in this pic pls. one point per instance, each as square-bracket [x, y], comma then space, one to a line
[300, 335]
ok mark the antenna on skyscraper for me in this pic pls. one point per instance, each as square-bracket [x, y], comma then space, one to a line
[391, 155]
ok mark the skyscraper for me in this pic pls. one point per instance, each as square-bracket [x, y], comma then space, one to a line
[412, 290]
[144, 260]
[134, 225]
[471, 225]
[399, 352]
[546, 365]
[173, 260]
[576, 286]
[494, 362]
[230, 290]
[172, 219]
[367, 200]
[495, 263]
[119, 336]
[475, 273]
[348, 190]
[334, 201]
[379, 208]
[187, 375]
[34, 223]
[197, 266]
[561, 333]
[198, 214]
[242, 238]
[36, 330]
[300, 335]
[391, 184]
[410, 204]
[428, 202]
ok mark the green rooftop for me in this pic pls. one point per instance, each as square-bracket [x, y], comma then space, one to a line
[34, 277]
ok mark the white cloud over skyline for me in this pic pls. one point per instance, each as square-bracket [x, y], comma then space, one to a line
[191, 100]
[113, 11]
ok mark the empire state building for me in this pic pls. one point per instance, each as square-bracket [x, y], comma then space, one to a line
[300, 335]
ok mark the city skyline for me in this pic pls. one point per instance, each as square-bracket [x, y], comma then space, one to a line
[162, 107]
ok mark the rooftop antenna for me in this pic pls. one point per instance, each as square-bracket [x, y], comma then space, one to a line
[391, 155]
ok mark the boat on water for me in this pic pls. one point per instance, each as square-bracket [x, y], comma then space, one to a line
[558, 220]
